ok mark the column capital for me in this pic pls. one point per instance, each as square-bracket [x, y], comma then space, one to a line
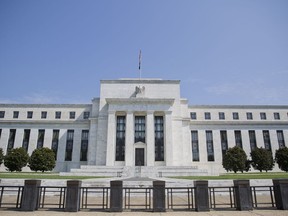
[111, 112]
[129, 112]
[150, 112]
[168, 112]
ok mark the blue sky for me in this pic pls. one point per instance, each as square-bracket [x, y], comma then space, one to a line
[223, 51]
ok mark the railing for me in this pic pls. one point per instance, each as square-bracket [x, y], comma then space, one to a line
[180, 198]
[221, 197]
[11, 196]
[137, 198]
[51, 197]
[263, 196]
[95, 198]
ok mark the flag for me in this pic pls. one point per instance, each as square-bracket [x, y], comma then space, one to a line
[140, 60]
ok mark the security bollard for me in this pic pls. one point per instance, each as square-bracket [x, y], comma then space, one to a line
[73, 196]
[116, 196]
[243, 197]
[159, 196]
[281, 193]
[201, 196]
[30, 195]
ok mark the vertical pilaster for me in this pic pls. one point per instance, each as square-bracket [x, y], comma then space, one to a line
[19, 138]
[168, 144]
[111, 139]
[4, 139]
[48, 138]
[150, 139]
[129, 139]
[92, 141]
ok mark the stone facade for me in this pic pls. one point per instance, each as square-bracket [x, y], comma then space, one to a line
[141, 123]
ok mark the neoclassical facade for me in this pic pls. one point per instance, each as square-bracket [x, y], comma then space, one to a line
[142, 123]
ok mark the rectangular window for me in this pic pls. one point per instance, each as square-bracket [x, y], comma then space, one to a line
[26, 137]
[0, 132]
[159, 138]
[40, 140]
[207, 115]
[280, 137]
[221, 115]
[252, 138]
[238, 138]
[140, 127]
[193, 115]
[263, 116]
[43, 115]
[235, 115]
[58, 115]
[72, 115]
[224, 142]
[249, 115]
[55, 141]
[84, 145]
[11, 139]
[86, 115]
[29, 114]
[15, 114]
[276, 116]
[69, 145]
[195, 145]
[120, 138]
[210, 147]
[267, 142]
[2, 114]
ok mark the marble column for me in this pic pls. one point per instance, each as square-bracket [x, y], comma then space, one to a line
[150, 139]
[111, 139]
[92, 142]
[168, 143]
[129, 139]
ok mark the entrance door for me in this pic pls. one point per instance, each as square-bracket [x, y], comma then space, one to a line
[139, 157]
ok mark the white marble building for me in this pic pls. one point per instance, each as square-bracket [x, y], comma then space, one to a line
[141, 123]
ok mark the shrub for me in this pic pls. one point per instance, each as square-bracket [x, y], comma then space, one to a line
[1, 156]
[281, 157]
[262, 159]
[16, 159]
[235, 159]
[42, 159]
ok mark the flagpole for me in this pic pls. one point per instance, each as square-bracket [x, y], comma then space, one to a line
[140, 58]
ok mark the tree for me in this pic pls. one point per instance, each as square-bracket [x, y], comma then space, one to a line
[16, 159]
[262, 159]
[1, 156]
[42, 159]
[234, 159]
[281, 157]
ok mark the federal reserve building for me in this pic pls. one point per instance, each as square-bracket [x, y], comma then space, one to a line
[143, 127]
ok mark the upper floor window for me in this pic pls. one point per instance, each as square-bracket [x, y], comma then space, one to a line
[58, 115]
[44, 115]
[276, 116]
[221, 115]
[2, 114]
[15, 114]
[263, 115]
[29, 114]
[235, 115]
[249, 115]
[72, 115]
[207, 115]
[193, 115]
[86, 115]
[139, 129]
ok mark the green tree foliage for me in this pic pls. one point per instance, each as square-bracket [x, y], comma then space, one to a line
[262, 159]
[281, 157]
[16, 159]
[42, 159]
[1, 156]
[235, 159]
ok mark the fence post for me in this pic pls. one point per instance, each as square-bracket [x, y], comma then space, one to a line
[73, 196]
[281, 193]
[116, 196]
[159, 196]
[201, 195]
[30, 195]
[243, 197]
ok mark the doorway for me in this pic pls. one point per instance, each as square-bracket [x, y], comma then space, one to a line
[139, 157]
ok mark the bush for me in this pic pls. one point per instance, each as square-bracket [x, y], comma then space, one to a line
[262, 159]
[235, 159]
[1, 156]
[42, 159]
[281, 157]
[16, 159]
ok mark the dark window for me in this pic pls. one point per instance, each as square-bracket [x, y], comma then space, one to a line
[120, 138]
[207, 115]
[280, 137]
[44, 115]
[86, 115]
[15, 114]
[140, 129]
[193, 115]
[195, 145]
[235, 115]
[69, 145]
[84, 145]
[221, 115]
[29, 114]
[40, 140]
[2, 114]
[267, 142]
[224, 142]
[72, 115]
[55, 141]
[238, 138]
[252, 138]
[11, 139]
[249, 115]
[159, 138]
[0, 132]
[263, 115]
[276, 116]
[58, 115]
[210, 147]
[26, 137]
